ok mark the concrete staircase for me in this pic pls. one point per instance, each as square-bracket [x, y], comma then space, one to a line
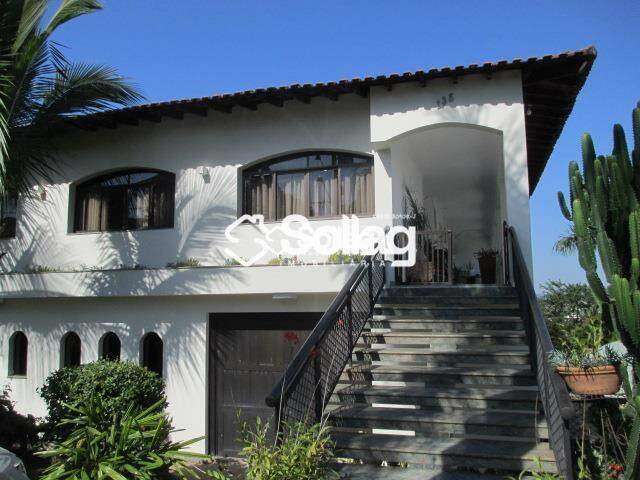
[441, 388]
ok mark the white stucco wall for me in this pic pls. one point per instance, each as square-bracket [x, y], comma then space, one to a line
[495, 103]
[221, 143]
[176, 303]
[181, 322]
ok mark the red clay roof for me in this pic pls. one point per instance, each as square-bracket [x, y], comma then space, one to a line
[550, 86]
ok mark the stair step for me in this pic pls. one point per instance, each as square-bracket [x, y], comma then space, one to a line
[500, 355]
[519, 375]
[375, 472]
[444, 325]
[442, 301]
[429, 311]
[457, 424]
[453, 290]
[432, 339]
[509, 398]
[446, 454]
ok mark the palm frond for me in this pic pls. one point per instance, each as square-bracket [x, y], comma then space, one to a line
[28, 27]
[70, 9]
[39, 88]
[80, 89]
[567, 244]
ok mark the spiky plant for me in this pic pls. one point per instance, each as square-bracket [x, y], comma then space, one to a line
[39, 88]
[605, 214]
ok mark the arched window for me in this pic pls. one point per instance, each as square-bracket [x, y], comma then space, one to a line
[8, 209]
[71, 350]
[313, 184]
[151, 354]
[126, 200]
[110, 347]
[18, 349]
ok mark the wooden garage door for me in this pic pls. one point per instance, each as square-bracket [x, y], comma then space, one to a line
[249, 353]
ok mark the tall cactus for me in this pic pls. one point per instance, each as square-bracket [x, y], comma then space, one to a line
[605, 213]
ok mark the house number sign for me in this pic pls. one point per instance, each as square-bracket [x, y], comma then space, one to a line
[445, 99]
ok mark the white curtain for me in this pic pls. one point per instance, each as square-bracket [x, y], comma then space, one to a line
[290, 195]
[323, 193]
[260, 196]
[356, 190]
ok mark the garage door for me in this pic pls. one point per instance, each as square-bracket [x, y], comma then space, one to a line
[249, 353]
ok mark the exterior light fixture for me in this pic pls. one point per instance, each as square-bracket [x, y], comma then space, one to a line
[204, 172]
[284, 296]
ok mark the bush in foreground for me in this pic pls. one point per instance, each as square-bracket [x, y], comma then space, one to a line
[135, 446]
[18, 433]
[303, 452]
[115, 385]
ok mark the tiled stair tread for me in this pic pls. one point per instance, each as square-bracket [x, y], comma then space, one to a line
[374, 472]
[499, 350]
[467, 319]
[458, 447]
[436, 306]
[428, 334]
[400, 368]
[491, 392]
[431, 416]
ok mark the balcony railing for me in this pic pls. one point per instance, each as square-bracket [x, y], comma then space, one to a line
[434, 258]
[559, 410]
[307, 384]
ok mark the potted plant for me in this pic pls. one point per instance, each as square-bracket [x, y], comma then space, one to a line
[586, 366]
[488, 263]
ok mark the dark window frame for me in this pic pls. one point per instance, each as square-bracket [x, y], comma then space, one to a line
[67, 355]
[18, 354]
[8, 221]
[262, 169]
[122, 194]
[152, 360]
[105, 353]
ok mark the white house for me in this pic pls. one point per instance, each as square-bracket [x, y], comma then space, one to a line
[85, 274]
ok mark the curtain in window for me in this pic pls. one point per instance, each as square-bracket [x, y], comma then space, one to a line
[8, 210]
[323, 193]
[356, 190]
[133, 200]
[290, 196]
[92, 212]
[138, 207]
[260, 197]
[162, 205]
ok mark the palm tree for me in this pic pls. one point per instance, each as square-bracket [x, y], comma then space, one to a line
[40, 89]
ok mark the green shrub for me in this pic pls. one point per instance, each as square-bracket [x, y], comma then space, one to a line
[567, 306]
[303, 453]
[134, 446]
[18, 433]
[187, 262]
[115, 384]
[341, 257]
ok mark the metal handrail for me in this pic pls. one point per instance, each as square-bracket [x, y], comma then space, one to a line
[310, 378]
[559, 410]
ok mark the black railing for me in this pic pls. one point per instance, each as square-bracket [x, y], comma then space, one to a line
[556, 402]
[307, 384]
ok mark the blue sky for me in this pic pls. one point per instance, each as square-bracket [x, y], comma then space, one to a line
[188, 48]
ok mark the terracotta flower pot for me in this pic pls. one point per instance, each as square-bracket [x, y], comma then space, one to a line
[603, 380]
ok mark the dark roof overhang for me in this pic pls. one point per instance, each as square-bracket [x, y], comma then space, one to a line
[550, 86]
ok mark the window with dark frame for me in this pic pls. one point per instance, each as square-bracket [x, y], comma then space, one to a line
[8, 216]
[152, 353]
[18, 352]
[140, 199]
[313, 184]
[71, 350]
[110, 347]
